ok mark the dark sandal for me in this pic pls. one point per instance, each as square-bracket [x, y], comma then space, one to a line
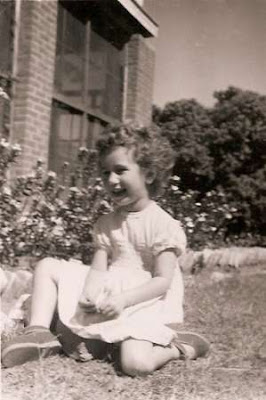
[30, 344]
[200, 345]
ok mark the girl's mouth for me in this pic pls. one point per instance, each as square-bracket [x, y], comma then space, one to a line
[117, 193]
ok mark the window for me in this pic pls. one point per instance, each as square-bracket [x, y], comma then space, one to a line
[65, 138]
[6, 34]
[67, 127]
[88, 83]
[105, 83]
[6, 16]
[70, 57]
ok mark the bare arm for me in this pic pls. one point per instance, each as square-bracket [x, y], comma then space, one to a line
[93, 281]
[159, 284]
[163, 274]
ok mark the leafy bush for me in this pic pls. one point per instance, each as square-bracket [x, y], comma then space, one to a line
[41, 215]
[189, 128]
[239, 153]
[219, 197]
[223, 148]
[204, 218]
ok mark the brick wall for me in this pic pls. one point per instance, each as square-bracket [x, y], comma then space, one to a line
[139, 93]
[34, 85]
[33, 91]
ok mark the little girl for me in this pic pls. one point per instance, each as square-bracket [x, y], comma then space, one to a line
[132, 293]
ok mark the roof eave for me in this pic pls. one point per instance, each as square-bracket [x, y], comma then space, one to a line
[148, 27]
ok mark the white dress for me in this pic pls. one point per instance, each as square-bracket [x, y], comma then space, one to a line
[132, 241]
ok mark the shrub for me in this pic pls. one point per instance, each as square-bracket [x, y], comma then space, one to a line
[239, 153]
[222, 147]
[188, 127]
[204, 218]
[42, 215]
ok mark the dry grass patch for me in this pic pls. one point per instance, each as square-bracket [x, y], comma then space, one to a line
[230, 312]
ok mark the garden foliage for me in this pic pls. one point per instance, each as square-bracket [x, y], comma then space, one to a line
[218, 184]
[184, 122]
[223, 149]
[42, 215]
[239, 153]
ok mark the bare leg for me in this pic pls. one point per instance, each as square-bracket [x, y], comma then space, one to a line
[44, 295]
[37, 340]
[140, 357]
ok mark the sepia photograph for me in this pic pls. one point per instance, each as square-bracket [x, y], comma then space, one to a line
[133, 199]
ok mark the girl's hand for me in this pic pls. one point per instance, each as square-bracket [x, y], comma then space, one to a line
[86, 304]
[112, 306]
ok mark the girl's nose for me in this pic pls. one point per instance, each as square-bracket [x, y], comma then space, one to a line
[113, 178]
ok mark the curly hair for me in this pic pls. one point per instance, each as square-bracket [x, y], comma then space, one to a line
[152, 151]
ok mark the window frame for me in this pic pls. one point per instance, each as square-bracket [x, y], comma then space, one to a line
[83, 105]
[7, 11]
[91, 118]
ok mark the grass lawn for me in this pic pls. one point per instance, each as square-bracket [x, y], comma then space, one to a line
[230, 312]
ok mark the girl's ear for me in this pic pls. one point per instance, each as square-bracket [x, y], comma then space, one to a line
[150, 176]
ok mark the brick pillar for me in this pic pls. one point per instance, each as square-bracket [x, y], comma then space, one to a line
[34, 81]
[140, 77]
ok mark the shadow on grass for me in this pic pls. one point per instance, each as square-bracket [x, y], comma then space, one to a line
[230, 313]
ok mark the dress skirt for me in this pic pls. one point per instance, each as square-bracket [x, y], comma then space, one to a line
[145, 321]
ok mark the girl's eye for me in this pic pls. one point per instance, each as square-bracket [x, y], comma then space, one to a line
[105, 174]
[120, 171]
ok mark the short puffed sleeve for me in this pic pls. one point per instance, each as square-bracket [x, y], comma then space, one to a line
[101, 239]
[168, 234]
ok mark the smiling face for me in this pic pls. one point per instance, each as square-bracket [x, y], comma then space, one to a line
[124, 179]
